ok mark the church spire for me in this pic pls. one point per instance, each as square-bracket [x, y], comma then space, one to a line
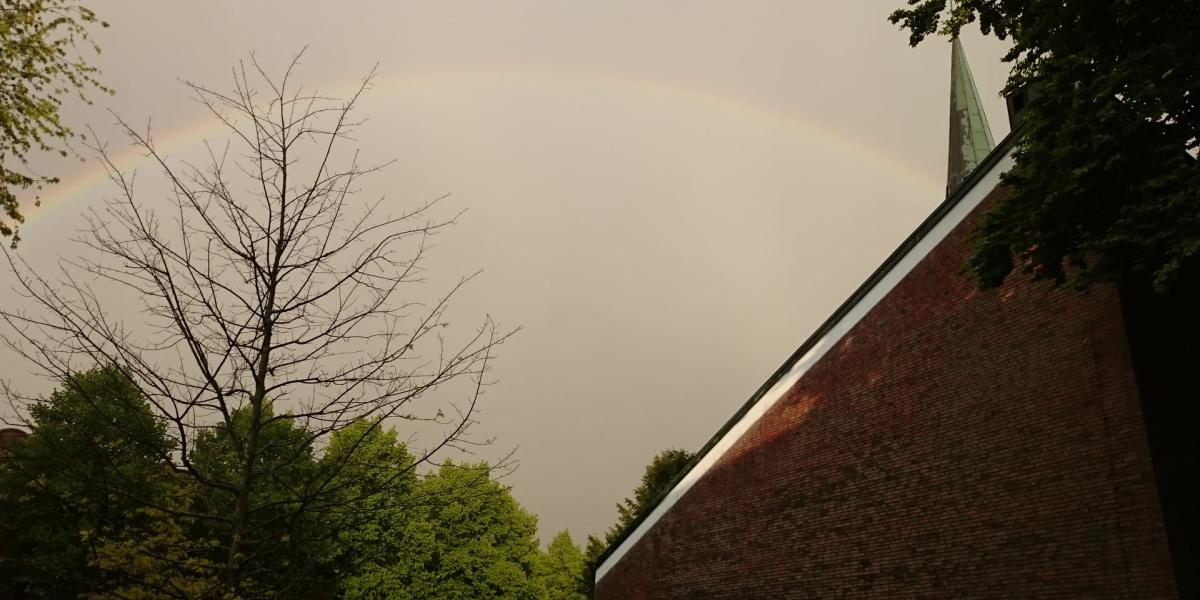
[970, 137]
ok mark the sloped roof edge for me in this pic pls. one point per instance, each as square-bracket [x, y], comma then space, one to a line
[988, 171]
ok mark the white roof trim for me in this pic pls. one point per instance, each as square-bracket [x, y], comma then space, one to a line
[797, 369]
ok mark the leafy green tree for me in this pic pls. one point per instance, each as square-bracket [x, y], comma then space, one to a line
[1106, 184]
[474, 542]
[284, 544]
[656, 480]
[383, 534]
[563, 573]
[96, 456]
[124, 524]
[40, 65]
[156, 559]
[485, 544]
[659, 474]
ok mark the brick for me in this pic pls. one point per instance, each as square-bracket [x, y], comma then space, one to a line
[955, 444]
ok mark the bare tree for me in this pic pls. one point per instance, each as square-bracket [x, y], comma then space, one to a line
[269, 295]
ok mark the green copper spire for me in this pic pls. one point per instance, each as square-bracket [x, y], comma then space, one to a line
[970, 137]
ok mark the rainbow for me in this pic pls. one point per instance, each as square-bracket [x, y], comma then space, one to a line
[720, 105]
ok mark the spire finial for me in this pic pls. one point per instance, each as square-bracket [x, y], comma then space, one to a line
[970, 136]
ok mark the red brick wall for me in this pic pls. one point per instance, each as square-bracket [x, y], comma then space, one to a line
[955, 444]
[8, 435]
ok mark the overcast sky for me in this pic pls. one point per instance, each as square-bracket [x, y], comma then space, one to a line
[669, 197]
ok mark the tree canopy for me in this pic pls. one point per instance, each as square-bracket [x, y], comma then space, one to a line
[455, 532]
[40, 42]
[656, 480]
[484, 544]
[96, 457]
[563, 572]
[284, 544]
[95, 508]
[1106, 185]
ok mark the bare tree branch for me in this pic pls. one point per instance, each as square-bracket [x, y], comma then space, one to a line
[267, 291]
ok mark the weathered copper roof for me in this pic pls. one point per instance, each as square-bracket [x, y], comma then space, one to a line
[970, 136]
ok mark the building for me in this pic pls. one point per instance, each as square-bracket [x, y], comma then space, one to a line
[931, 440]
[8, 435]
